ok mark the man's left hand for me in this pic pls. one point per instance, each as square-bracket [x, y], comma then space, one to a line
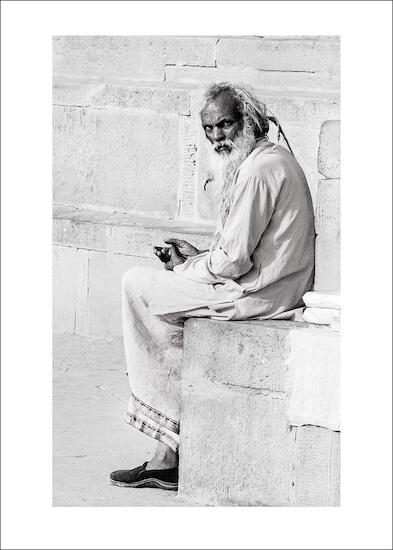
[175, 259]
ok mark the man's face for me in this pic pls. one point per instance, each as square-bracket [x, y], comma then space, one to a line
[221, 122]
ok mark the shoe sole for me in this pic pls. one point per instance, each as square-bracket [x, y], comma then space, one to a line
[150, 483]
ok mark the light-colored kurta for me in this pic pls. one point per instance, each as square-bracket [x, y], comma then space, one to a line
[262, 261]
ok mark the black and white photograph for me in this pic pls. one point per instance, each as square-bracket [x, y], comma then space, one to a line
[196, 298]
[196, 270]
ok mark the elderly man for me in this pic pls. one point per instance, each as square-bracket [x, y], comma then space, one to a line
[260, 264]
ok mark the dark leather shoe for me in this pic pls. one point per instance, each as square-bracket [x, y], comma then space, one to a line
[140, 477]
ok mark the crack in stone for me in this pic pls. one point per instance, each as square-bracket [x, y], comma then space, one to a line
[265, 391]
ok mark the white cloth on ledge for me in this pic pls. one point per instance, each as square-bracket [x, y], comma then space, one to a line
[322, 299]
[314, 367]
[320, 316]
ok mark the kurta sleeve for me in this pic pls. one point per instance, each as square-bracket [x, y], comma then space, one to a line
[250, 213]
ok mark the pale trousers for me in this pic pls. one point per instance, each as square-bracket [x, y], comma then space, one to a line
[153, 349]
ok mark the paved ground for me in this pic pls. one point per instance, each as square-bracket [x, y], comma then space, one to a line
[90, 436]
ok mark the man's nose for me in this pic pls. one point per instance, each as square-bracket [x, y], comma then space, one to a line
[218, 134]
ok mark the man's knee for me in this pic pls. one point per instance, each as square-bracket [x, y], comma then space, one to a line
[136, 279]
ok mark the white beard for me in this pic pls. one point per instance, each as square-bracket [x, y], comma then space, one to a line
[224, 165]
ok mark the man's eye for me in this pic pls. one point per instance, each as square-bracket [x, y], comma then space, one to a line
[208, 128]
[227, 123]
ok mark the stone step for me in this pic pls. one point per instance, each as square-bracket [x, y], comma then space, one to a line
[92, 250]
[236, 448]
[149, 95]
[122, 233]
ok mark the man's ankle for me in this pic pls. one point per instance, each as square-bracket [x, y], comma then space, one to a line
[163, 464]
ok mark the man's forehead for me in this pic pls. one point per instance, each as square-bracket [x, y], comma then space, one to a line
[221, 106]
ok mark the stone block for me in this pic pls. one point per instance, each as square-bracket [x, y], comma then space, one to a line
[64, 289]
[80, 234]
[235, 424]
[128, 57]
[327, 244]
[67, 91]
[121, 233]
[104, 306]
[82, 293]
[329, 162]
[187, 192]
[304, 82]
[116, 158]
[316, 467]
[161, 99]
[138, 95]
[280, 55]
[236, 380]
[234, 343]
[140, 241]
[302, 111]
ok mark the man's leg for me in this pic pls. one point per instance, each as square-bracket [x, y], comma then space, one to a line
[153, 349]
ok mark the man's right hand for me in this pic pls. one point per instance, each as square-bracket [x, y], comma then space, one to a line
[174, 259]
[185, 249]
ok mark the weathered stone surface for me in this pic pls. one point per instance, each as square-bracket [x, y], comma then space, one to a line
[128, 57]
[262, 80]
[123, 233]
[301, 111]
[280, 55]
[80, 234]
[316, 467]
[67, 91]
[327, 244]
[105, 273]
[221, 425]
[165, 100]
[234, 343]
[64, 288]
[82, 293]
[137, 95]
[235, 403]
[187, 191]
[104, 157]
[329, 162]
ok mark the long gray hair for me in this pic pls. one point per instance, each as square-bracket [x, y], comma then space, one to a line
[251, 109]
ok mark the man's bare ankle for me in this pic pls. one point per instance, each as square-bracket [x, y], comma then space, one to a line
[164, 464]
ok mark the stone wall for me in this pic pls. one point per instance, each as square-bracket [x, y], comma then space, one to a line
[129, 156]
[126, 126]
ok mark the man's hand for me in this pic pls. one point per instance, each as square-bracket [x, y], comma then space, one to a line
[174, 259]
[183, 247]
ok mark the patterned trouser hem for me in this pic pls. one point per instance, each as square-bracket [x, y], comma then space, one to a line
[153, 423]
